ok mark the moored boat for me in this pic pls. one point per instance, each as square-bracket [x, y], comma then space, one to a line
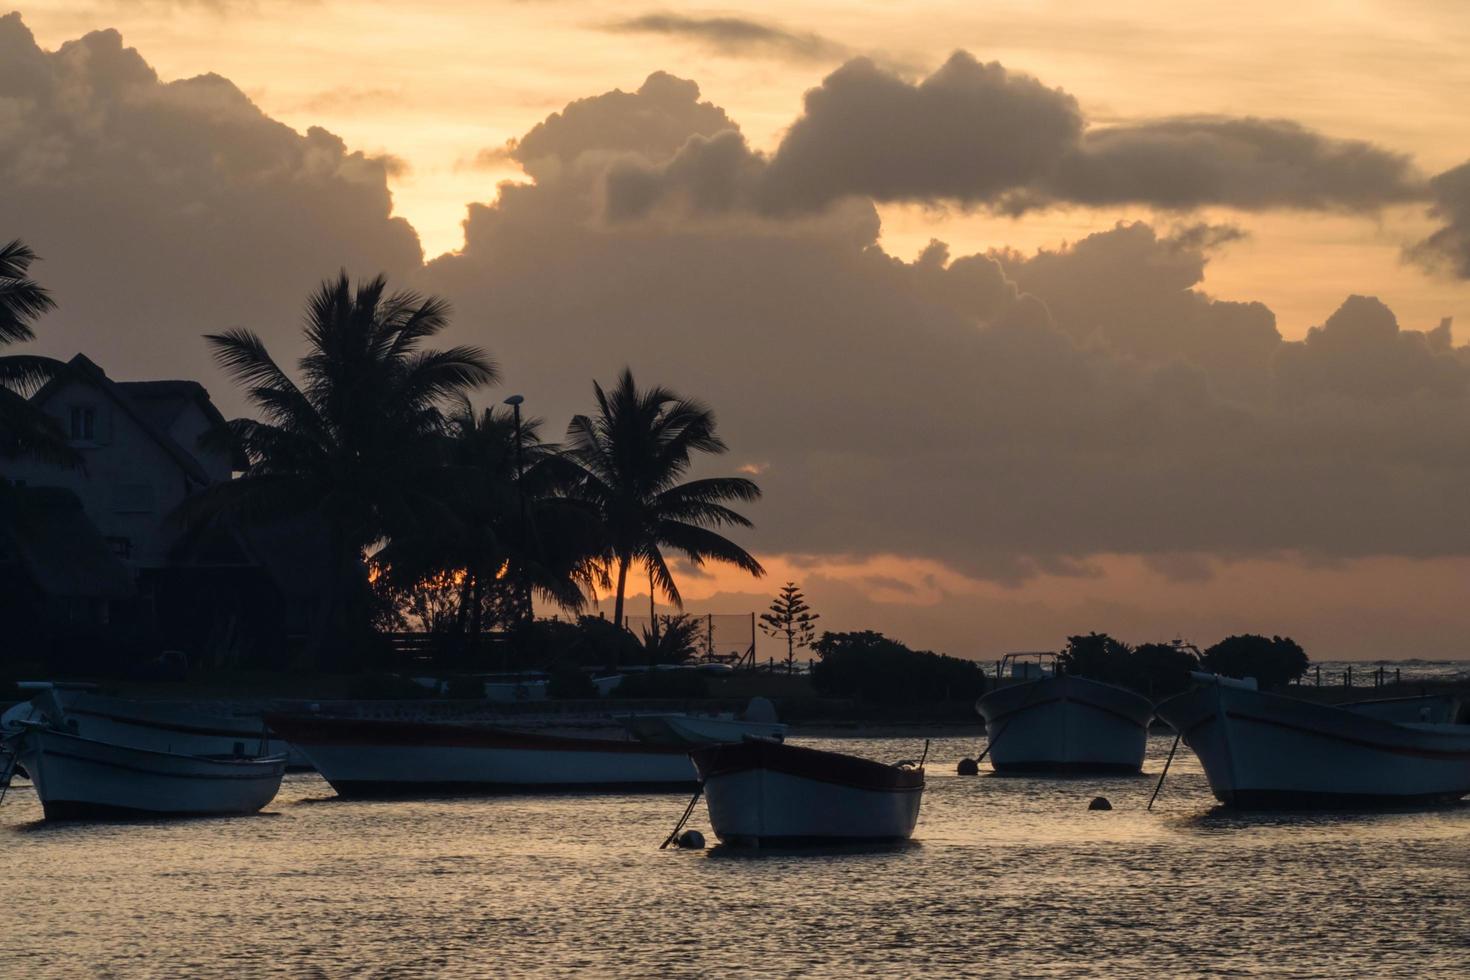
[1065, 724]
[692, 731]
[766, 793]
[1269, 751]
[156, 726]
[82, 778]
[393, 758]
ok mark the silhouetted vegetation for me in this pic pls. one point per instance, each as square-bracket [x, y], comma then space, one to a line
[791, 619]
[1273, 662]
[671, 639]
[24, 428]
[873, 668]
[663, 684]
[1155, 669]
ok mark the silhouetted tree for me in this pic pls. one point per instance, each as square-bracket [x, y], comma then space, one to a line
[1162, 669]
[1272, 662]
[24, 428]
[355, 444]
[630, 457]
[1098, 657]
[672, 639]
[876, 669]
[790, 617]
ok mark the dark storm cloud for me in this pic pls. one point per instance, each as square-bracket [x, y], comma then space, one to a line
[165, 210]
[1448, 249]
[1007, 413]
[980, 135]
[734, 35]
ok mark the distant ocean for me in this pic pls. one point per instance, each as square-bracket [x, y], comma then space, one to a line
[1413, 670]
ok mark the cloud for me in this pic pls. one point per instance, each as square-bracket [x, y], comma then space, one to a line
[980, 135]
[734, 36]
[1007, 414]
[1448, 249]
[168, 209]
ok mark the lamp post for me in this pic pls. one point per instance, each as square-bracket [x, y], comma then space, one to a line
[514, 401]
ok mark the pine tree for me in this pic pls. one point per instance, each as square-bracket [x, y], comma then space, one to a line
[790, 617]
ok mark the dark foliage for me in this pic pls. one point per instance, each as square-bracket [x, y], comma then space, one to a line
[871, 667]
[1273, 661]
[1099, 657]
[663, 684]
[571, 684]
[675, 640]
[1162, 669]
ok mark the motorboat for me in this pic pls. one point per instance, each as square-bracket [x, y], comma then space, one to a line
[362, 757]
[84, 778]
[1061, 723]
[1270, 751]
[692, 731]
[763, 793]
[156, 726]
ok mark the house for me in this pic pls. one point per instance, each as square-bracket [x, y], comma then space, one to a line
[146, 447]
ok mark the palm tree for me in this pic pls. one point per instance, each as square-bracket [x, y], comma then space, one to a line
[631, 456]
[23, 427]
[506, 533]
[355, 443]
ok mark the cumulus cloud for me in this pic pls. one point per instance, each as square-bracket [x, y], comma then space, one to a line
[1448, 249]
[980, 135]
[1009, 414]
[168, 209]
[734, 35]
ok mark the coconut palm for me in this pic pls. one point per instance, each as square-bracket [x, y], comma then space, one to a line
[506, 532]
[630, 458]
[353, 445]
[23, 427]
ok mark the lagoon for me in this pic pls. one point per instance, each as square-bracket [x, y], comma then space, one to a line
[1005, 876]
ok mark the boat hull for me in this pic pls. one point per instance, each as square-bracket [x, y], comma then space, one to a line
[694, 731]
[78, 777]
[376, 759]
[765, 794]
[1066, 725]
[159, 727]
[1265, 751]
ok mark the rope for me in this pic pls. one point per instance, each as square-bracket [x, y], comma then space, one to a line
[1167, 762]
[698, 792]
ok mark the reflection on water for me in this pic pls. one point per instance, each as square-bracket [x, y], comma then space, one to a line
[1005, 877]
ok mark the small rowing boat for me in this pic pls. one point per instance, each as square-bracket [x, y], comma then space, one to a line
[765, 793]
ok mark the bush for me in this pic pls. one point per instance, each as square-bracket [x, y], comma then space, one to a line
[1098, 657]
[873, 668]
[570, 684]
[662, 684]
[1273, 662]
[1162, 669]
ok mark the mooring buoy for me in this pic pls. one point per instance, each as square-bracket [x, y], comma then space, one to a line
[691, 840]
[1099, 803]
[968, 767]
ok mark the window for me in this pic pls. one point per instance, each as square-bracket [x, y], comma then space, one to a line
[83, 423]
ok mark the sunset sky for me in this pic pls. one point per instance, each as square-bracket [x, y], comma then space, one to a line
[1129, 392]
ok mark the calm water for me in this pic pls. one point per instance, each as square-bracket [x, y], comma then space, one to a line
[1010, 877]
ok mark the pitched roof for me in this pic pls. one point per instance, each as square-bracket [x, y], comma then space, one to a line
[153, 405]
[61, 549]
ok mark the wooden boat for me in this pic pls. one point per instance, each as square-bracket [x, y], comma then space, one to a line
[1066, 724]
[1268, 751]
[82, 778]
[149, 725]
[693, 731]
[765, 793]
[394, 758]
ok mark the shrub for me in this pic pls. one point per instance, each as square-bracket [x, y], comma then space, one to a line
[873, 668]
[1272, 662]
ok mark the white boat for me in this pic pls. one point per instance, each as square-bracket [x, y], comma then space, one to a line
[155, 726]
[393, 758]
[82, 778]
[692, 731]
[1065, 724]
[764, 793]
[1267, 751]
